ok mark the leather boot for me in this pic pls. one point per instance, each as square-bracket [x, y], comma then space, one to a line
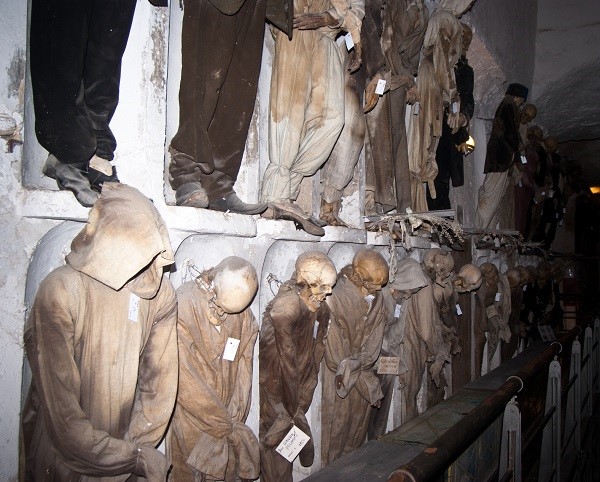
[70, 177]
[234, 204]
[289, 211]
[329, 213]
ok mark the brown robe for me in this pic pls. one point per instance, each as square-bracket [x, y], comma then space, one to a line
[104, 383]
[208, 437]
[291, 349]
[352, 347]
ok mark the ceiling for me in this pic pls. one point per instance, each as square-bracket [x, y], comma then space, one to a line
[566, 85]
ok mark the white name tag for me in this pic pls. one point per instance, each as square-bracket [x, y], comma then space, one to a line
[455, 107]
[497, 297]
[458, 310]
[523, 159]
[417, 108]
[520, 184]
[369, 298]
[550, 194]
[292, 444]
[315, 329]
[349, 41]
[380, 89]
[231, 348]
[134, 307]
[397, 311]
[389, 365]
[497, 242]
[525, 288]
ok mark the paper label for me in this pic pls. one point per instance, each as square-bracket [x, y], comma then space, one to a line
[550, 194]
[546, 333]
[455, 107]
[543, 193]
[134, 306]
[349, 41]
[315, 329]
[523, 159]
[389, 365]
[417, 108]
[380, 89]
[369, 298]
[497, 298]
[458, 310]
[525, 288]
[564, 210]
[231, 348]
[497, 242]
[397, 311]
[520, 184]
[292, 444]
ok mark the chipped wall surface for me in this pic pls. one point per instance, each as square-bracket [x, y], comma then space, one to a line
[31, 209]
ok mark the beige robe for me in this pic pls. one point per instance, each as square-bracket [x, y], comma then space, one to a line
[104, 373]
[306, 100]
[208, 437]
[352, 347]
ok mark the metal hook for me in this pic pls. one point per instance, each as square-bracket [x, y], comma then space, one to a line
[518, 378]
[559, 344]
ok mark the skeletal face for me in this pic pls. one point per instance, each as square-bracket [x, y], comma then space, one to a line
[535, 133]
[468, 279]
[490, 274]
[371, 269]
[528, 113]
[467, 37]
[438, 264]
[317, 273]
[514, 277]
[551, 144]
[234, 283]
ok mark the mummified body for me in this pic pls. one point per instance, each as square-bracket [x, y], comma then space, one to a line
[352, 347]
[208, 437]
[291, 348]
[493, 306]
[102, 345]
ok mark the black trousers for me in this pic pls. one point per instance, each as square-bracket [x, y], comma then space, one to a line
[76, 48]
[220, 56]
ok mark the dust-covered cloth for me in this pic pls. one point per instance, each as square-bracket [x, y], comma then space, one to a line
[102, 344]
[208, 437]
[352, 347]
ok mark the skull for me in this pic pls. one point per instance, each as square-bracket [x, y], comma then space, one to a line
[544, 271]
[490, 274]
[234, 284]
[524, 272]
[551, 144]
[535, 133]
[514, 277]
[468, 279]
[467, 37]
[528, 113]
[316, 272]
[438, 264]
[371, 269]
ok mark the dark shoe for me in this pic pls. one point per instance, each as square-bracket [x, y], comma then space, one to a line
[283, 210]
[187, 164]
[69, 177]
[233, 204]
[191, 194]
[100, 171]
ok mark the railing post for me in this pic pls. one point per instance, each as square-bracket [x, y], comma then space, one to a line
[550, 454]
[596, 356]
[586, 369]
[510, 449]
[573, 409]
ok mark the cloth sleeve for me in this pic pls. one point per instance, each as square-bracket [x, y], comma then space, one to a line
[49, 341]
[157, 379]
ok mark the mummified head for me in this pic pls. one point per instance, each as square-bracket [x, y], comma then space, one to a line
[468, 279]
[371, 269]
[438, 264]
[514, 277]
[490, 274]
[316, 273]
[232, 284]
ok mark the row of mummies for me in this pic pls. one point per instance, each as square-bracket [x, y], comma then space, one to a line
[324, 102]
[116, 354]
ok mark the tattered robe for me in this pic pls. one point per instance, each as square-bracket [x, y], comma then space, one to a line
[291, 349]
[104, 373]
[208, 439]
[423, 342]
[352, 347]
[437, 88]
[307, 99]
